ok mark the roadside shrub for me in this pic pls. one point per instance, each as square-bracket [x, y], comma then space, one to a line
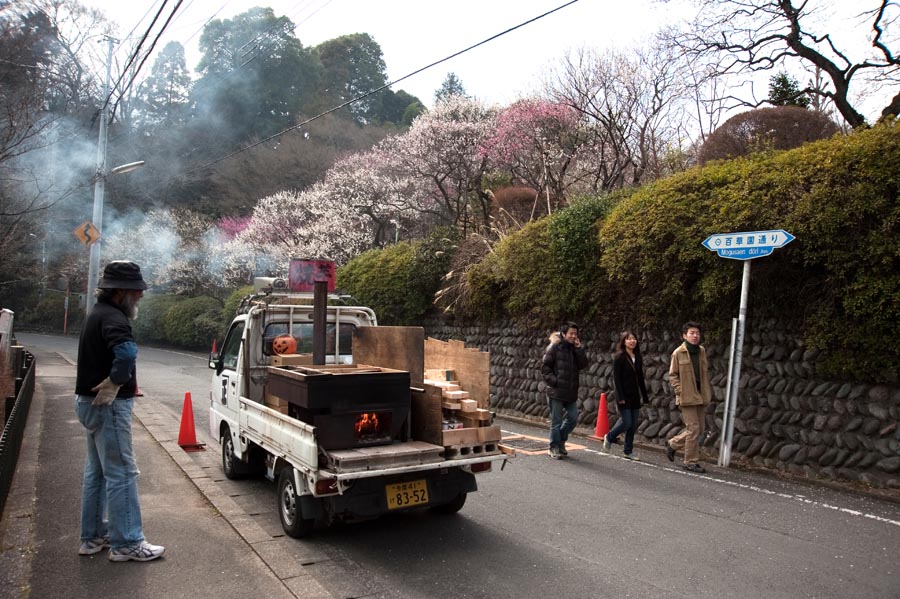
[546, 270]
[399, 281]
[192, 323]
[148, 327]
[232, 303]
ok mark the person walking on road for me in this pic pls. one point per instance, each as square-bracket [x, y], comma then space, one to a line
[105, 386]
[689, 377]
[628, 378]
[562, 360]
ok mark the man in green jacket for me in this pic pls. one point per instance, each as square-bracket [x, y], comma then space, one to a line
[689, 377]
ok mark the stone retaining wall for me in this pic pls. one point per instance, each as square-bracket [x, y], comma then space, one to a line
[788, 418]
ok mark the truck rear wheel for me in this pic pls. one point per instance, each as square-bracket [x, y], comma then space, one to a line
[290, 509]
[453, 506]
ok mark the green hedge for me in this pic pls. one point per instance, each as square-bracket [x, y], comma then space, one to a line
[148, 327]
[546, 271]
[399, 281]
[193, 322]
[838, 281]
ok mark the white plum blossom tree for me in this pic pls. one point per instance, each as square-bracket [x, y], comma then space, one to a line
[309, 224]
[441, 153]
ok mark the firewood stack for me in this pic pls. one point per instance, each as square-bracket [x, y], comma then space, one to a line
[466, 428]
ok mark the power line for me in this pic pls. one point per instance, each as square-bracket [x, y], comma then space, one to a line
[375, 91]
[150, 50]
[134, 54]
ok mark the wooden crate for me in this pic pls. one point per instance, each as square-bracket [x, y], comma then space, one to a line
[276, 403]
[292, 360]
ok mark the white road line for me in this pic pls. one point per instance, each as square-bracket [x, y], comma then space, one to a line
[753, 488]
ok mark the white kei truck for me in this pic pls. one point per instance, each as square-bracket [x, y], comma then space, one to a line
[344, 441]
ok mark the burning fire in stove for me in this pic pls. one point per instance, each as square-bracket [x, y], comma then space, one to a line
[372, 426]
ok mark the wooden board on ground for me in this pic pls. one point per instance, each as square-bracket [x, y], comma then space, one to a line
[425, 415]
[400, 348]
[472, 366]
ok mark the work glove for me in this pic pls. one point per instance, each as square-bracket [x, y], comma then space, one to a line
[106, 393]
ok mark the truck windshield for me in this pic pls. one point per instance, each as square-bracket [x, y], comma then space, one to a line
[302, 334]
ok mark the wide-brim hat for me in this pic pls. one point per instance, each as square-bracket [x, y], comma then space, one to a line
[122, 274]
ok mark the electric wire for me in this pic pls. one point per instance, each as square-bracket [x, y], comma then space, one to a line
[150, 50]
[134, 54]
[375, 91]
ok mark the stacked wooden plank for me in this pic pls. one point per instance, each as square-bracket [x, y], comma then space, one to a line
[466, 429]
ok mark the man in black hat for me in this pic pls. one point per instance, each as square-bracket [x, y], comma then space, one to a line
[105, 386]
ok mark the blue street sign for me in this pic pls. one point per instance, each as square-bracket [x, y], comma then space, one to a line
[748, 245]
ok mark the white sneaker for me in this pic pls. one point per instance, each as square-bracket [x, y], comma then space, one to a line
[606, 445]
[142, 552]
[92, 546]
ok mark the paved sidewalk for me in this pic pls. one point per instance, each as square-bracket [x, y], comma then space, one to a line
[212, 548]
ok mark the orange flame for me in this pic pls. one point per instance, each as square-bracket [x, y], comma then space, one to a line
[367, 424]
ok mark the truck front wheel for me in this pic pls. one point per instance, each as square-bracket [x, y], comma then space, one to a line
[231, 465]
[289, 507]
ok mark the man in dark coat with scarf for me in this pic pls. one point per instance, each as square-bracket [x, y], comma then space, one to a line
[562, 360]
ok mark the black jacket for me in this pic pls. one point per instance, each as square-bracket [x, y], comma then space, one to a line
[560, 366]
[106, 327]
[628, 379]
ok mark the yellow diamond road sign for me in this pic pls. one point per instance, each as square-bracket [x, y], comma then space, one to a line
[87, 233]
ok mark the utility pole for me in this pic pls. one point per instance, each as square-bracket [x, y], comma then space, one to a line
[99, 187]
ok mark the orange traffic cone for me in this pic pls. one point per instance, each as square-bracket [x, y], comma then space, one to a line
[213, 350]
[187, 438]
[137, 390]
[602, 419]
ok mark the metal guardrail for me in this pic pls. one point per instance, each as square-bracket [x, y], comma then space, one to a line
[15, 416]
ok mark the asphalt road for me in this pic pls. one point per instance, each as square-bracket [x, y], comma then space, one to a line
[593, 525]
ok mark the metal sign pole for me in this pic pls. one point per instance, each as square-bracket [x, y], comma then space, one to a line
[722, 443]
[738, 354]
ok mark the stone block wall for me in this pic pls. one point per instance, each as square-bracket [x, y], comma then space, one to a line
[788, 418]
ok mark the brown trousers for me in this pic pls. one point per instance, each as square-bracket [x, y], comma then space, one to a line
[693, 417]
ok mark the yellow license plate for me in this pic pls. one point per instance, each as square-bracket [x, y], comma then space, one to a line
[414, 492]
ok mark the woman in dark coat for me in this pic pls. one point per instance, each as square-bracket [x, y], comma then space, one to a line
[628, 378]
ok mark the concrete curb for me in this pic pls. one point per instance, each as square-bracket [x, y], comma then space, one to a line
[202, 468]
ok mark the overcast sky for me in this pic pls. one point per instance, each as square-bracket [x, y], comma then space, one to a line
[415, 33]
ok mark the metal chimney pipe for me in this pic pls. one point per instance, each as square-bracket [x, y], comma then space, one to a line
[320, 313]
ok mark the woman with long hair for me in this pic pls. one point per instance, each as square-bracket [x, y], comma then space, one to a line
[628, 378]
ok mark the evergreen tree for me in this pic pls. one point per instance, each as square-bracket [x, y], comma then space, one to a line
[256, 78]
[353, 66]
[452, 86]
[164, 96]
[785, 91]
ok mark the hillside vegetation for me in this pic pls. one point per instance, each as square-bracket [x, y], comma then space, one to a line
[635, 258]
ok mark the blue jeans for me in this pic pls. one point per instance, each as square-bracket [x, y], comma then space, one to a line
[559, 429]
[628, 422]
[109, 500]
